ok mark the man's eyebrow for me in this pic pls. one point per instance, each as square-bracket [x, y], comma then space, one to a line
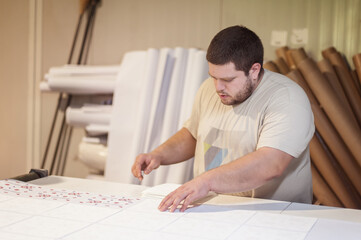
[225, 78]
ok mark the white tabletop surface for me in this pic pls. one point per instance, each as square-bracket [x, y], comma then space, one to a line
[243, 203]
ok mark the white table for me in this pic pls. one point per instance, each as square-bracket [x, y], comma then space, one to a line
[273, 206]
[316, 222]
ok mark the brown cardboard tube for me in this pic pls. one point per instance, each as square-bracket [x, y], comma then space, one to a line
[282, 66]
[357, 62]
[329, 72]
[270, 65]
[330, 135]
[356, 80]
[326, 96]
[281, 53]
[298, 55]
[326, 52]
[348, 84]
[291, 63]
[321, 160]
[322, 191]
[337, 147]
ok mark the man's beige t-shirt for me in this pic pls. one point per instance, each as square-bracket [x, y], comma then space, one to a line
[277, 115]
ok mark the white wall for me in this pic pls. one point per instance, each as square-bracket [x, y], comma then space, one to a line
[124, 25]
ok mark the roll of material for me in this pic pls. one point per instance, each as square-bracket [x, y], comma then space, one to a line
[182, 86]
[146, 95]
[322, 162]
[290, 61]
[270, 65]
[282, 66]
[282, 53]
[357, 62]
[124, 116]
[44, 86]
[97, 129]
[330, 135]
[171, 116]
[326, 52]
[196, 73]
[94, 155]
[298, 55]
[347, 83]
[84, 70]
[75, 79]
[88, 114]
[159, 98]
[321, 190]
[331, 76]
[82, 85]
[356, 80]
[339, 116]
[98, 140]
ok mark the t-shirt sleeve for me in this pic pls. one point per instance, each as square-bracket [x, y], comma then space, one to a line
[288, 122]
[193, 121]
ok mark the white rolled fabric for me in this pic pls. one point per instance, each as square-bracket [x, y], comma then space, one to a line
[92, 154]
[147, 103]
[158, 101]
[44, 87]
[97, 129]
[99, 140]
[165, 174]
[83, 84]
[88, 114]
[129, 83]
[82, 70]
[144, 110]
[196, 74]
[82, 79]
[158, 104]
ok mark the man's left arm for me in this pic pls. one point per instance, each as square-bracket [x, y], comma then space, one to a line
[244, 174]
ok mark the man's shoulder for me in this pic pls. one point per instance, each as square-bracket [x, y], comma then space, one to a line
[280, 83]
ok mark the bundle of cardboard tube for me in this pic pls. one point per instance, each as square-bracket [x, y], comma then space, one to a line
[334, 90]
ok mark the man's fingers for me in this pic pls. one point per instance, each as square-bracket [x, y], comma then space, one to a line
[137, 171]
[186, 202]
[173, 200]
[164, 203]
[150, 167]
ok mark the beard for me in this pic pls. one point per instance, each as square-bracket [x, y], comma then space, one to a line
[240, 96]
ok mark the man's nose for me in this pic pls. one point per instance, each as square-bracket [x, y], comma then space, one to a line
[219, 85]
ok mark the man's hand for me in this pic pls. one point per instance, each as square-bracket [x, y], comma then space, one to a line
[188, 193]
[146, 163]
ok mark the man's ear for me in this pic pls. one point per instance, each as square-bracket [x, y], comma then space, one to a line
[254, 71]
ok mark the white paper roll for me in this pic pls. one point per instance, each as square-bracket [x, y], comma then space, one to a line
[94, 155]
[78, 70]
[97, 129]
[83, 85]
[197, 72]
[88, 114]
[122, 124]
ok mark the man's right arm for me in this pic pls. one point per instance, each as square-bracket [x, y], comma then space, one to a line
[178, 148]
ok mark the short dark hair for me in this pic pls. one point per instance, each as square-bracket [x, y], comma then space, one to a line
[236, 44]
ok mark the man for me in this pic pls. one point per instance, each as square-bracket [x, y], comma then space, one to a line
[249, 130]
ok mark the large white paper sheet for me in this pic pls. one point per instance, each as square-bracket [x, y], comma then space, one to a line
[46, 215]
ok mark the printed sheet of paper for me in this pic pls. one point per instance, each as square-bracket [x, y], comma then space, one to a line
[35, 212]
